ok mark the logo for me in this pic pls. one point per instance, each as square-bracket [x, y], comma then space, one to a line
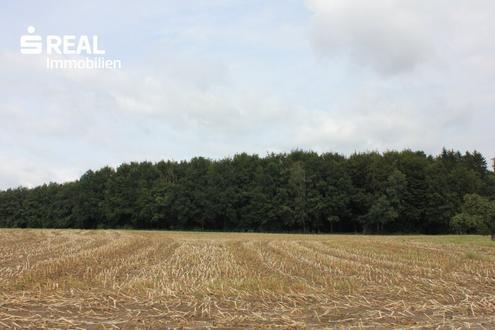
[67, 46]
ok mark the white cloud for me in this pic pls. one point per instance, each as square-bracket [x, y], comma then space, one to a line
[418, 75]
[423, 71]
[387, 36]
[396, 36]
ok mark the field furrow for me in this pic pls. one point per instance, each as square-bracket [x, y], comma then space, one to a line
[136, 279]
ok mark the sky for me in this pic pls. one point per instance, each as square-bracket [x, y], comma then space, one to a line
[214, 78]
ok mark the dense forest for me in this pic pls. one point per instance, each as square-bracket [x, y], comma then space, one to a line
[391, 192]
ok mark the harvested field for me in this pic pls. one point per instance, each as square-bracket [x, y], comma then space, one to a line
[128, 279]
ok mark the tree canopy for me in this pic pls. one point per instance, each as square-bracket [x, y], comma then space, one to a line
[302, 191]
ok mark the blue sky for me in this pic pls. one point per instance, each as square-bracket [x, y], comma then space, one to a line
[218, 77]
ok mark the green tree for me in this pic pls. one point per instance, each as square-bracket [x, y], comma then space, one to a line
[406, 191]
[476, 217]
[297, 191]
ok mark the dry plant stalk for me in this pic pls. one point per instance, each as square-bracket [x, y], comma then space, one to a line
[137, 279]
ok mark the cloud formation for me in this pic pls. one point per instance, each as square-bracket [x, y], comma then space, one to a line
[396, 36]
[334, 75]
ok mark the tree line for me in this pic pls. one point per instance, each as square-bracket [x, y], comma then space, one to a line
[301, 191]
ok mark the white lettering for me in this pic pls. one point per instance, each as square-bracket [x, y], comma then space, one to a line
[53, 44]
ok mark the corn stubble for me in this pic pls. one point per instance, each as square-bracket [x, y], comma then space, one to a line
[134, 279]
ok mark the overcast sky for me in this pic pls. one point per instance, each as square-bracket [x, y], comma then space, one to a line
[218, 77]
